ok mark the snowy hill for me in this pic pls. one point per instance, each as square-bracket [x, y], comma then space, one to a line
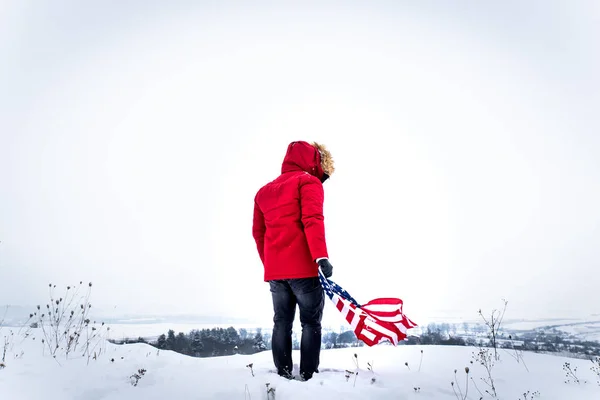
[404, 372]
[579, 328]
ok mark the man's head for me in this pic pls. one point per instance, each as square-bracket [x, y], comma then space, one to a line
[312, 158]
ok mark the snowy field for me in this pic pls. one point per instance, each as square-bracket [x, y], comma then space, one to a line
[581, 328]
[398, 373]
[587, 331]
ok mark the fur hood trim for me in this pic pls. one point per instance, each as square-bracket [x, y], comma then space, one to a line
[327, 163]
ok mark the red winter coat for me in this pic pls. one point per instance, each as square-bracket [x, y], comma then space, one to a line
[288, 216]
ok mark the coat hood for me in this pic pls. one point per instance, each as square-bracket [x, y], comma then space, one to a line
[312, 158]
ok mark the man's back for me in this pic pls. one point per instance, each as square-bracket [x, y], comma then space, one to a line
[288, 217]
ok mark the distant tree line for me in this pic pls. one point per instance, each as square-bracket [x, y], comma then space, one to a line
[442, 335]
[208, 342]
[212, 342]
[223, 342]
[333, 340]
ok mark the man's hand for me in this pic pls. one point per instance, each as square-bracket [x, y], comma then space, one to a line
[326, 267]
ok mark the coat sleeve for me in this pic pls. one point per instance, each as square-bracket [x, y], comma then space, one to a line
[258, 231]
[311, 205]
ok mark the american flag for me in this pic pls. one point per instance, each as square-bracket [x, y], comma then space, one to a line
[376, 321]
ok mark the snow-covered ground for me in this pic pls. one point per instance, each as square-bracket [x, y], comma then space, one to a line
[583, 329]
[586, 331]
[398, 372]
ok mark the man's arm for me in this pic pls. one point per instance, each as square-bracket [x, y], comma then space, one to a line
[258, 231]
[311, 204]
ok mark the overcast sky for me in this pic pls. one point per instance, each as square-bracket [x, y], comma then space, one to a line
[466, 136]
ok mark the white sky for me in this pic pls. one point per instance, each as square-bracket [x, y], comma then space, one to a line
[133, 138]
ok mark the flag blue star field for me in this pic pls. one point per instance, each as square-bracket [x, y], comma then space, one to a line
[378, 320]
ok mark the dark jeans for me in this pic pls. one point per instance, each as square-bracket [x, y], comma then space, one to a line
[307, 293]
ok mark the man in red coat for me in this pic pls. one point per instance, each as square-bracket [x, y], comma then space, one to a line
[289, 232]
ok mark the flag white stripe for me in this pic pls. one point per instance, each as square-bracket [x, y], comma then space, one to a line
[373, 325]
[401, 328]
[368, 334]
[345, 309]
[396, 319]
[355, 319]
[382, 307]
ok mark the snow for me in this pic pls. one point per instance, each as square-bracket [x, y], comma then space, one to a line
[31, 375]
[583, 329]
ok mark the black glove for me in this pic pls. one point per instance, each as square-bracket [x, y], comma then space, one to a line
[326, 267]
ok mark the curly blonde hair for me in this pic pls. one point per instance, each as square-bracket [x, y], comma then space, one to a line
[326, 158]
